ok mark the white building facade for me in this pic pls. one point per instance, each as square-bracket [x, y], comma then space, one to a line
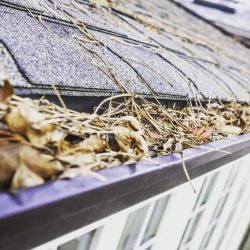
[214, 218]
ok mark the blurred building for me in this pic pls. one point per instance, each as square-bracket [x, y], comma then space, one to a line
[231, 16]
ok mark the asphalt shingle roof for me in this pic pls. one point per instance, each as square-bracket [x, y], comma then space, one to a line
[102, 47]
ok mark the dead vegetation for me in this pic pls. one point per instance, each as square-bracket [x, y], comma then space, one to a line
[40, 141]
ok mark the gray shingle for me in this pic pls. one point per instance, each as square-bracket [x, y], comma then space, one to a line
[46, 57]
[155, 47]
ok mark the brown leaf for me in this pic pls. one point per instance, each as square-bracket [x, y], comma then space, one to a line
[228, 129]
[220, 121]
[169, 144]
[16, 122]
[30, 114]
[6, 92]
[11, 155]
[74, 172]
[131, 123]
[93, 144]
[43, 165]
[24, 177]
[44, 135]
[70, 173]
[198, 131]
[80, 160]
[131, 142]
[28, 122]
[207, 134]
[243, 121]
[8, 164]
[22, 117]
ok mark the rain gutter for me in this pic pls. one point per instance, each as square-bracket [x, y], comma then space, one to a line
[37, 215]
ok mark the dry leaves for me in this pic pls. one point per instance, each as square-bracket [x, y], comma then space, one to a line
[6, 92]
[14, 155]
[24, 177]
[40, 141]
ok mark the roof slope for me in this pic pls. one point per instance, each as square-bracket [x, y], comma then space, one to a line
[100, 47]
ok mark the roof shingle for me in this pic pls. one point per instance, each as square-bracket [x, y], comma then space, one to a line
[97, 49]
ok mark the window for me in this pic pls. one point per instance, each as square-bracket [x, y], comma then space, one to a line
[142, 226]
[192, 226]
[155, 219]
[84, 242]
[231, 215]
[206, 190]
[198, 210]
[219, 208]
[132, 229]
[207, 237]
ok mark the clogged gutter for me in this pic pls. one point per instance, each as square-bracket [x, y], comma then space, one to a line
[40, 141]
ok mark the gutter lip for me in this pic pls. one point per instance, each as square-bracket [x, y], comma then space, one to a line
[76, 201]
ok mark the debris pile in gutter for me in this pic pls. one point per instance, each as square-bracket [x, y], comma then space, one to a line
[40, 141]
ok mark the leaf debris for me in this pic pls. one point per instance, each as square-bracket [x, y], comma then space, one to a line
[40, 141]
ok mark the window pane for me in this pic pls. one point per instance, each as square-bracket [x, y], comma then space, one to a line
[71, 245]
[206, 190]
[220, 206]
[86, 240]
[132, 229]
[155, 219]
[231, 178]
[79, 243]
[191, 229]
[207, 238]
[219, 209]
[216, 214]
[230, 216]
[194, 221]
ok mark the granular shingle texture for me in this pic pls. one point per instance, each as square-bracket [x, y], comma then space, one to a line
[104, 47]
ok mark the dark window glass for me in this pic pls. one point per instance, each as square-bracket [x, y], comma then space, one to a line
[207, 237]
[206, 190]
[231, 178]
[220, 206]
[80, 243]
[194, 221]
[219, 209]
[193, 225]
[230, 216]
[155, 219]
[132, 229]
